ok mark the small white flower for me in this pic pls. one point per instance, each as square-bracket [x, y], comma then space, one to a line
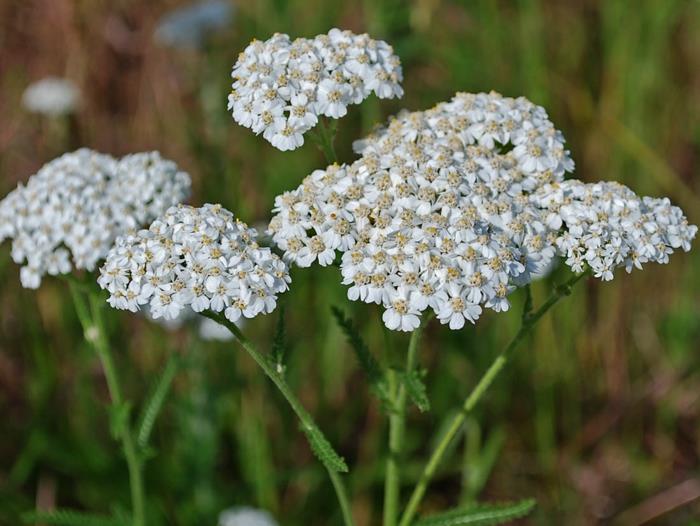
[51, 96]
[245, 516]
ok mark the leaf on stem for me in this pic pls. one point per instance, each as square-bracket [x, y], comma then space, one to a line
[367, 361]
[486, 514]
[413, 381]
[154, 403]
[323, 449]
[73, 518]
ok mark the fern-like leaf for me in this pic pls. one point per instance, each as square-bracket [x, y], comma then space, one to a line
[364, 357]
[487, 514]
[72, 518]
[154, 404]
[323, 449]
[416, 390]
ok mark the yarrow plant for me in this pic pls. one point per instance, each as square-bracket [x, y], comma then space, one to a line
[282, 86]
[70, 212]
[445, 211]
[435, 214]
[201, 258]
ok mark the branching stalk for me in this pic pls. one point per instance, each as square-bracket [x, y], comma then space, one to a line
[528, 322]
[397, 428]
[306, 420]
[93, 328]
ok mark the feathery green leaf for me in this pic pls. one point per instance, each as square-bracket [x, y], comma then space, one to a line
[323, 449]
[155, 401]
[416, 390]
[365, 358]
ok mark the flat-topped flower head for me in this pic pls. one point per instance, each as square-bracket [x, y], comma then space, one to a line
[72, 209]
[436, 212]
[282, 86]
[197, 258]
[605, 226]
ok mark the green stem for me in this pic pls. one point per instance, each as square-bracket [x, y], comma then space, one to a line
[529, 320]
[303, 415]
[325, 138]
[94, 331]
[397, 429]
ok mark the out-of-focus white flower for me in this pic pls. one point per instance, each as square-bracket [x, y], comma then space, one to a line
[436, 213]
[213, 331]
[72, 209]
[188, 27]
[201, 258]
[281, 86]
[51, 96]
[606, 226]
[246, 516]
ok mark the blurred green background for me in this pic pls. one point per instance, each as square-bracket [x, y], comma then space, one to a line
[597, 416]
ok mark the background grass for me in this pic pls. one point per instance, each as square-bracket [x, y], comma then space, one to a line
[597, 417]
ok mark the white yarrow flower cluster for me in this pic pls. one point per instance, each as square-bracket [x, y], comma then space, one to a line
[72, 209]
[606, 225]
[281, 86]
[436, 212]
[51, 96]
[201, 258]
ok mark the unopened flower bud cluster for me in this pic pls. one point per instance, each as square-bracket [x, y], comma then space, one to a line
[436, 212]
[72, 209]
[281, 86]
[201, 258]
[606, 225]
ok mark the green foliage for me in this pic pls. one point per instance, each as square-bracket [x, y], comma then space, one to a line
[415, 387]
[279, 343]
[154, 403]
[119, 414]
[365, 358]
[323, 449]
[481, 514]
[73, 518]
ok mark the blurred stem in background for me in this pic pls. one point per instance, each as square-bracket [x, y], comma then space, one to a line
[397, 428]
[311, 430]
[529, 319]
[94, 332]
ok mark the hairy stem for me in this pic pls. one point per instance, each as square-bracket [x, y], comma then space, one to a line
[93, 328]
[306, 420]
[529, 320]
[397, 428]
